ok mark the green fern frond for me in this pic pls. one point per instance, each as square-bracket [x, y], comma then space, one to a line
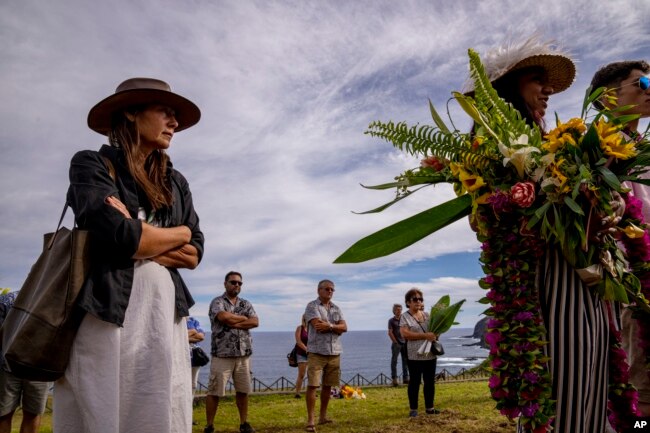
[428, 140]
[503, 118]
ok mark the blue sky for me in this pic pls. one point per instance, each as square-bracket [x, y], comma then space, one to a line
[286, 90]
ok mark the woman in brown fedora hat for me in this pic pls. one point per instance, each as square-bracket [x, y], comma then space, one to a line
[129, 368]
[573, 316]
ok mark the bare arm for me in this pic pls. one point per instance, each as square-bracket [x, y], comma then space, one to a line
[185, 256]
[249, 323]
[410, 335]
[154, 241]
[323, 327]
[320, 325]
[339, 327]
[195, 336]
[230, 319]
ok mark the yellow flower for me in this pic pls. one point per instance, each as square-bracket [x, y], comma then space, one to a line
[634, 232]
[455, 169]
[612, 143]
[471, 182]
[556, 177]
[565, 133]
[483, 198]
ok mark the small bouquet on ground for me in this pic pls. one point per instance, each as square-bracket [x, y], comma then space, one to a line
[348, 392]
[441, 319]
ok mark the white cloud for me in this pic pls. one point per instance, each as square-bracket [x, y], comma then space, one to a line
[286, 90]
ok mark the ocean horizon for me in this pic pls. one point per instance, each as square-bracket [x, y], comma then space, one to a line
[366, 353]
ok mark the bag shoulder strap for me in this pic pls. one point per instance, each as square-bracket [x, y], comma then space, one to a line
[111, 173]
[416, 321]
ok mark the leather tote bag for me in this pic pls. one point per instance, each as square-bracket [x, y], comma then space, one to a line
[39, 330]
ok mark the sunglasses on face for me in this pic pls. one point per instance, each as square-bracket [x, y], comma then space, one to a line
[235, 283]
[643, 83]
[417, 299]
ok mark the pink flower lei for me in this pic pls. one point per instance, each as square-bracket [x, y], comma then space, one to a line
[520, 382]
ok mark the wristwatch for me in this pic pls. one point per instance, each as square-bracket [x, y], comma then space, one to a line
[331, 326]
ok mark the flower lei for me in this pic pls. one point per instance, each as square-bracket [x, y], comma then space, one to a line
[623, 397]
[520, 382]
[522, 192]
[638, 253]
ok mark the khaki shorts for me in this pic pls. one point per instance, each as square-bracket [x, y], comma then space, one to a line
[222, 369]
[13, 390]
[326, 366]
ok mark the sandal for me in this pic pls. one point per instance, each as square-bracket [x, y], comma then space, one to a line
[326, 421]
[310, 428]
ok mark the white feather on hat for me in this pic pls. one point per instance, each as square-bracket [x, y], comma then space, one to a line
[512, 56]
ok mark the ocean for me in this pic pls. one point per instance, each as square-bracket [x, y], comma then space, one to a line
[364, 352]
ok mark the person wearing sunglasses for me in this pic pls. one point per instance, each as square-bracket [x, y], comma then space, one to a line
[628, 82]
[422, 367]
[325, 324]
[231, 318]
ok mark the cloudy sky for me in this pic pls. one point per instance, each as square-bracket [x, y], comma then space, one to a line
[286, 90]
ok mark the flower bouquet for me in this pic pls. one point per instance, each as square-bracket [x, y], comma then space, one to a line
[523, 193]
[441, 318]
[349, 392]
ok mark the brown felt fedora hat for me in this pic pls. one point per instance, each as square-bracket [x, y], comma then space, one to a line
[139, 91]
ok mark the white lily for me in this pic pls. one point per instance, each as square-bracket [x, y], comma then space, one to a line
[544, 162]
[518, 154]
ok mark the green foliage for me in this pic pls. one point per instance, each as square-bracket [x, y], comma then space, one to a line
[443, 315]
[428, 140]
[406, 232]
[505, 121]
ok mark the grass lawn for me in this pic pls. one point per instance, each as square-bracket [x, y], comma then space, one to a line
[466, 408]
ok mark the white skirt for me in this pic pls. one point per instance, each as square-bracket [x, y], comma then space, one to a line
[130, 379]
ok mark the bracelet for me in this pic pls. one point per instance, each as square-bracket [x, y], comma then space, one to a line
[331, 327]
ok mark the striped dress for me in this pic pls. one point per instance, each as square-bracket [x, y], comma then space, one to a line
[576, 323]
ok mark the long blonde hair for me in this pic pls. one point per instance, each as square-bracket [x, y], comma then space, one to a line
[151, 175]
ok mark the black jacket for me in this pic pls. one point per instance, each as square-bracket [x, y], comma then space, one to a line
[115, 239]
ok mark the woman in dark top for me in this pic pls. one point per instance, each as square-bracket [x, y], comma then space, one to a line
[301, 354]
[129, 367]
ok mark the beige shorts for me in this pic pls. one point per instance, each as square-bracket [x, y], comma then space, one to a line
[222, 369]
[327, 367]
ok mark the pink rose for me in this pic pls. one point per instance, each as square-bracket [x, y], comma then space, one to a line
[523, 194]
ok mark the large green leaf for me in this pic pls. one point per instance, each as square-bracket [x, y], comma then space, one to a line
[437, 119]
[442, 303]
[406, 232]
[444, 319]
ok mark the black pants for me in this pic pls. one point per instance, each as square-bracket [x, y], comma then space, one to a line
[422, 371]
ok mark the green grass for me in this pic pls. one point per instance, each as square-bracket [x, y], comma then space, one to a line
[466, 408]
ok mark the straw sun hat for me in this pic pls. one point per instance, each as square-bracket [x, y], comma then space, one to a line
[533, 52]
[142, 91]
